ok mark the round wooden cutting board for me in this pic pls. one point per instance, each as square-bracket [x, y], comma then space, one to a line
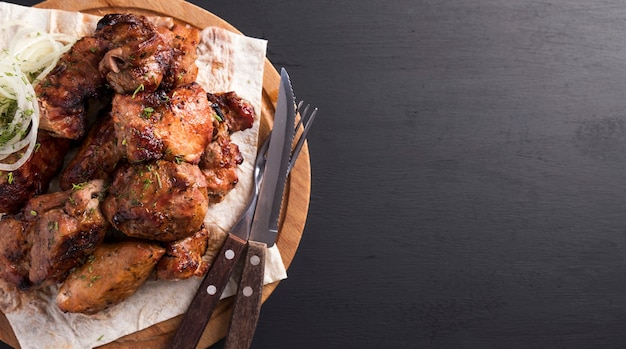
[296, 203]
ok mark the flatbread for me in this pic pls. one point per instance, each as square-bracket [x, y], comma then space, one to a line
[227, 62]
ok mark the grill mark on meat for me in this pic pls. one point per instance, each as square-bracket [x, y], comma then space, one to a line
[14, 248]
[175, 126]
[32, 178]
[184, 258]
[112, 274]
[64, 91]
[65, 230]
[160, 200]
[96, 158]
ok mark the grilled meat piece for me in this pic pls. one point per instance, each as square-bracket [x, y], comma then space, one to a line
[36, 206]
[176, 126]
[109, 276]
[219, 164]
[237, 112]
[96, 158]
[140, 54]
[129, 54]
[65, 231]
[182, 70]
[14, 247]
[221, 157]
[64, 91]
[159, 200]
[32, 178]
[183, 258]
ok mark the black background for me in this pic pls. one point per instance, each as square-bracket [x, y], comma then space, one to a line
[468, 169]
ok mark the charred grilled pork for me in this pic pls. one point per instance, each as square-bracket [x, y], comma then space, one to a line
[140, 53]
[96, 158]
[175, 126]
[222, 157]
[63, 93]
[14, 248]
[238, 114]
[128, 54]
[67, 226]
[110, 275]
[219, 164]
[159, 200]
[32, 178]
[182, 69]
[183, 258]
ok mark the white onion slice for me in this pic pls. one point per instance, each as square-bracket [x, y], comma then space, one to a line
[28, 57]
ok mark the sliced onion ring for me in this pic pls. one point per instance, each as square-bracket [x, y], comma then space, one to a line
[29, 56]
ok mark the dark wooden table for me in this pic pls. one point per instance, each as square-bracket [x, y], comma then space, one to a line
[468, 168]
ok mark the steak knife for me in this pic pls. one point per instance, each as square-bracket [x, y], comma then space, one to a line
[206, 298]
[247, 304]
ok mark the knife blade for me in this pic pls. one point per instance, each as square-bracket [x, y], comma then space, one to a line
[265, 225]
[247, 304]
[206, 298]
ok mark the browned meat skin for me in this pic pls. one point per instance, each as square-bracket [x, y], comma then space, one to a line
[96, 158]
[32, 178]
[238, 113]
[219, 164]
[182, 70]
[159, 200]
[36, 206]
[14, 247]
[176, 126]
[109, 276]
[64, 91]
[140, 54]
[221, 157]
[127, 53]
[64, 235]
[183, 258]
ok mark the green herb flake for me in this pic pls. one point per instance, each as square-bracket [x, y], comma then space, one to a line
[147, 112]
[53, 226]
[78, 186]
[138, 89]
[159, 180]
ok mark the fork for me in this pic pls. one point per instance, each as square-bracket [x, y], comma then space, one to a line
[306, 119]
[246, 306]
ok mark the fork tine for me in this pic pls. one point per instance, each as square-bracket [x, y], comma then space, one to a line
[307, 120]
[302, 113]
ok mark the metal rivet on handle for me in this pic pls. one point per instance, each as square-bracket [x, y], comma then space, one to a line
[247, 291]
[211, 290]
[229, 254]
[255, 260]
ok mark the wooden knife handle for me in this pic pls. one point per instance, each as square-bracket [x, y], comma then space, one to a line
[247, 305]
[204, 302]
